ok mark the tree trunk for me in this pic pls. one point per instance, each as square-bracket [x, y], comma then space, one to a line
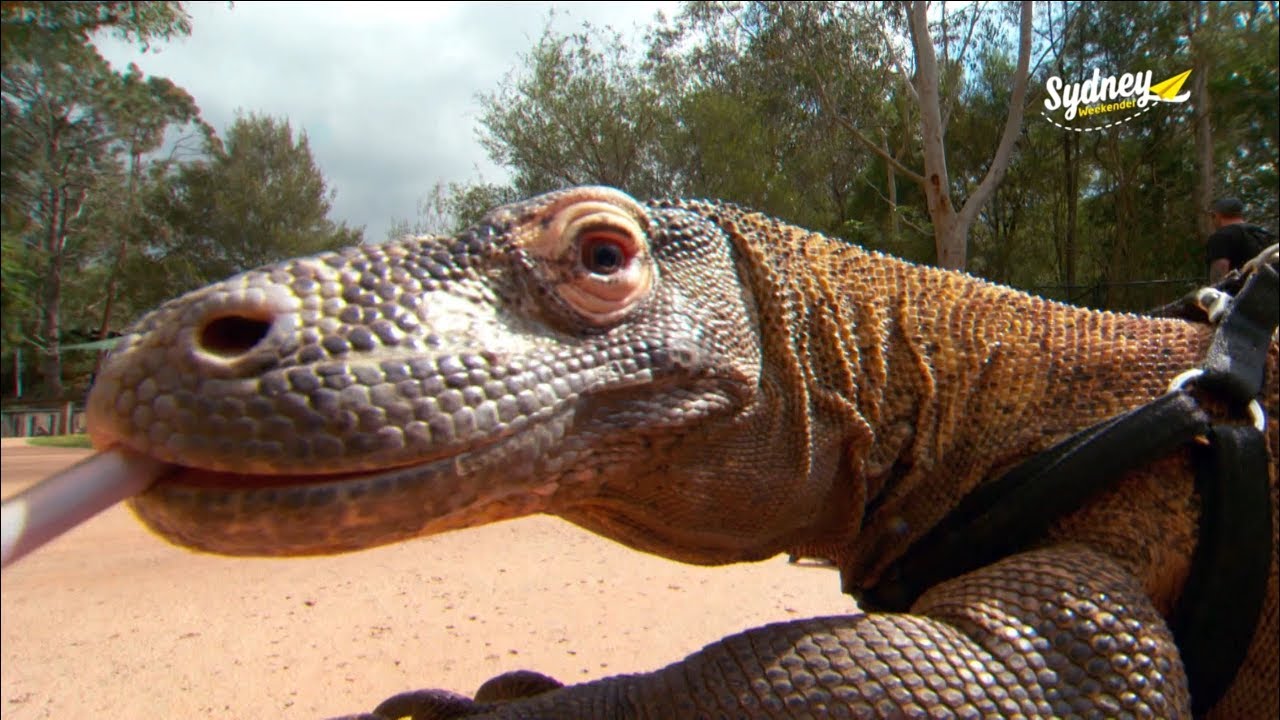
[122, 248]
[891, 186]
[1071, 167]
[1119, 271]
[951, 228]
[1201, 64]
[950, 249]
[50, 319]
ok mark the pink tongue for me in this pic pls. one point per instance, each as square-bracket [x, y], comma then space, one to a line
[44, 511]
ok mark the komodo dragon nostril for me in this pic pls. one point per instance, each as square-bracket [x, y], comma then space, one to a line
[231, 336]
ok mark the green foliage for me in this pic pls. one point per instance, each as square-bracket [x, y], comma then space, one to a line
[579, 114]
[17, 287]
[451, 208]
[62, 441]
[256, 197]
[144, 110]
[26, 26]
[775, 89]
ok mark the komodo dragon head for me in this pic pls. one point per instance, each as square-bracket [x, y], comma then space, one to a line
[578, 354]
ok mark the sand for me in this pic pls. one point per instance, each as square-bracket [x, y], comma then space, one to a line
[109, 621]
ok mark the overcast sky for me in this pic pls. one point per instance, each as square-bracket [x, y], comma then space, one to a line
[385, 91]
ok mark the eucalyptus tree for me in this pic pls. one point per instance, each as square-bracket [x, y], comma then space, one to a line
[62, 129]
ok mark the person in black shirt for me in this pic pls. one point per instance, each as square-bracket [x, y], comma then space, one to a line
[1234, 241]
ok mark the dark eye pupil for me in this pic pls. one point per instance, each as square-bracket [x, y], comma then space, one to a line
[604, 257]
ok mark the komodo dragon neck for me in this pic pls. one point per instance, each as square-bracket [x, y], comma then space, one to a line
[893, 362]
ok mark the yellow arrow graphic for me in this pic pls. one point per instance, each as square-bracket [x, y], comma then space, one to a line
[1168, 89]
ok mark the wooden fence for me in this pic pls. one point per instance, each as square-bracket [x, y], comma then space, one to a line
[67, 419]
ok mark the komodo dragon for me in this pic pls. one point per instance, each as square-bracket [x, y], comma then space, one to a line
[714, 386]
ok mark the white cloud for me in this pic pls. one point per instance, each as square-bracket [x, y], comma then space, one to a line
[386, 91]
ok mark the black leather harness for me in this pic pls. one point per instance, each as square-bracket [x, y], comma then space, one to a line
[1218, 612]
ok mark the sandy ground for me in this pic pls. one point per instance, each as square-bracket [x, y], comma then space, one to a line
[108, 621]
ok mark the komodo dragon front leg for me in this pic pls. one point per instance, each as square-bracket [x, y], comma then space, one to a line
[1062, 632]
[707, 384]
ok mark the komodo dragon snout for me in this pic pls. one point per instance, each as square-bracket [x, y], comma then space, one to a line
[386, 391]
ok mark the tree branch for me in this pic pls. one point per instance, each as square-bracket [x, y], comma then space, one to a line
[897, 210]
[1012, 126]
[897, 59]
[864, 140]
[948, 102]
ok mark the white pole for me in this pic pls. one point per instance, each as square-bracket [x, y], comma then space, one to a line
[44, 511]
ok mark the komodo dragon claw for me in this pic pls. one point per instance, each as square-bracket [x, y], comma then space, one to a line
[422, 705]
[446, 705]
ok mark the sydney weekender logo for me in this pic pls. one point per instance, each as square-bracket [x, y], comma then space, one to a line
[1102, 102]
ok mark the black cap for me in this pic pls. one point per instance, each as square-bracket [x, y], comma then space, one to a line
[1228, 207]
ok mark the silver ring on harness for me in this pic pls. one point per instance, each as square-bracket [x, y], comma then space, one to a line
[1215, 303]
[1256, 412]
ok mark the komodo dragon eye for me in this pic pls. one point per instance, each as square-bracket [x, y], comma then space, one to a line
[603, 252]
[599, 249]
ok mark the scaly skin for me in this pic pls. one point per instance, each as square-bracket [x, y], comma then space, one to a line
[710, 385]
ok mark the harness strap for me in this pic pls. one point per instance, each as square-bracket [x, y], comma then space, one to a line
[1218, 612]
[1236, 363]
[1005, 516]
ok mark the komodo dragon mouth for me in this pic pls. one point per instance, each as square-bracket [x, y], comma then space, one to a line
[285, 514]
[195, 477]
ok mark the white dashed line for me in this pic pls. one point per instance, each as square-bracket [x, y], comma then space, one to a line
[1100, 127]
